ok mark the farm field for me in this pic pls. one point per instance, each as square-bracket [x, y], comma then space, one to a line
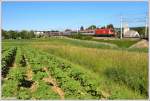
[65, 68]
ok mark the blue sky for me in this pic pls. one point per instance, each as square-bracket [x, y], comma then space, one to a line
[62, 15]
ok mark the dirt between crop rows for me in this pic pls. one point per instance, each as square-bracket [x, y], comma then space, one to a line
[34, 86]
[55, 87]
[49, 80]
[29, 73]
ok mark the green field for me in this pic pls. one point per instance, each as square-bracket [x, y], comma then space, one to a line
[64, 68]
[126, 43]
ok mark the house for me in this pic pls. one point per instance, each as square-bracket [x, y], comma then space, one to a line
[38, 32]
[130, 33]
[67, 32]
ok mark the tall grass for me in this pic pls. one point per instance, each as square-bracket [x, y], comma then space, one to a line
[129, 68]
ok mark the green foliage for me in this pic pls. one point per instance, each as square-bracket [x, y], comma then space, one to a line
[39, 76]
[140, 30]
[9, 88]
[80, 36]
[134, 80]
[7, 59]
[88, 83]
[17, 35]
[138, 50]
[79, 82]
[92, 27]
[72, 88]
[20, 59]
[44, 92]
[120, 43]
[17, 74]
[24, 94]
[110, 26]
[81, 28]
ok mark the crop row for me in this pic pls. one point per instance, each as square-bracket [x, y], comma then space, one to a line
[20, 59]
[4, 49]
[14, 78]
[18, 86]
[71, 87]
[75, 83]
[43, 90]
[7, 59]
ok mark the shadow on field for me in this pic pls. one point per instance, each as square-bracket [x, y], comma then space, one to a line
[26, 83]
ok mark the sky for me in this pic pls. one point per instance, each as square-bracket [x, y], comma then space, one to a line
[70, 15]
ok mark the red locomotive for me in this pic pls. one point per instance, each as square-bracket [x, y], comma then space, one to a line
[104, 32]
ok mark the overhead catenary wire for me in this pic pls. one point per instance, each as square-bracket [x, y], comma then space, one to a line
[135, 20]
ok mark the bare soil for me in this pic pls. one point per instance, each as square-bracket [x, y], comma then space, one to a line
[140, 44]
[105, 95]
[29, 73]
[34, 86]
[53, 82]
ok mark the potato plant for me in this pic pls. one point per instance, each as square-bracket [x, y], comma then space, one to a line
[72, 87]
[7, 59]
[10, 86]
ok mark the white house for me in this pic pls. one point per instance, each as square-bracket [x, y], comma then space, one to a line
[129, 33]
[38, 32]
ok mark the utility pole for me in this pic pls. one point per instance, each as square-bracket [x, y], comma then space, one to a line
[121, 27]
[146, 35]
[77, 31]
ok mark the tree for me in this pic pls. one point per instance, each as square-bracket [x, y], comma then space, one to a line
[92, 27]
[23, 34]
[140, 30]
[67, 30]
[32, 34]
[81, 28]
[12, 34]
[5, 34]
[103, 27]
[110, 26]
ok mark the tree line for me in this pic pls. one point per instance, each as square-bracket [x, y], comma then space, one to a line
[141, 31]
[92, 27]
[11, 34]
